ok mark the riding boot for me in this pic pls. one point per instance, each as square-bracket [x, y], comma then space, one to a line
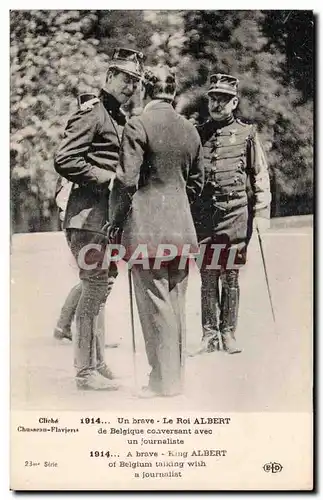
[210, 308]
[89, 349]
[229, 310]
[101, 366]
[64, 323]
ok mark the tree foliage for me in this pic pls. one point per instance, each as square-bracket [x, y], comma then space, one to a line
[55, 55]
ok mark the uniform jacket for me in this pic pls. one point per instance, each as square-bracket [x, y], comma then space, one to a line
[236, 181]
[161, 169]
[88, 156]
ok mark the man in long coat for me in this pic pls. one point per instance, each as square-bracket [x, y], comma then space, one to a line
[235, 195]
[88, 156]
[160, 173]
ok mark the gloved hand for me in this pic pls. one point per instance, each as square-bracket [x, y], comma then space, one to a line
[113, 234]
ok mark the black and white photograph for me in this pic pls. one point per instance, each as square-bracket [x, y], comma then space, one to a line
[161, 249]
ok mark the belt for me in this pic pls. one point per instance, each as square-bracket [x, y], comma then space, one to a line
[224, 197]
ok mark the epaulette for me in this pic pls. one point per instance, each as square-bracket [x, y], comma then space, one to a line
[86, 106]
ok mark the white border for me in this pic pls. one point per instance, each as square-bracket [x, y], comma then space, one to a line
[4, 194]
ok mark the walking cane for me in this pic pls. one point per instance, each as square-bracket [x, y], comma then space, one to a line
[132, 328]
[266, 274]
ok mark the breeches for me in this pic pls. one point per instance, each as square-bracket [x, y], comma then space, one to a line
[96, 286]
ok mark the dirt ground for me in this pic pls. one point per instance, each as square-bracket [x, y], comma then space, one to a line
[273, 373]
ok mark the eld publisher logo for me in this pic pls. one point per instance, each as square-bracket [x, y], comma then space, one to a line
[273, 467]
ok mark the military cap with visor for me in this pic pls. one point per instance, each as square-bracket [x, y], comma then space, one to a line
[223, 84]
[128, 61]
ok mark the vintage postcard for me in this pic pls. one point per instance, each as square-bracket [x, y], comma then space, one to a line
[161, 250]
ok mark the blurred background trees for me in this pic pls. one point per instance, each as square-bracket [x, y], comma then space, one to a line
[55, 55]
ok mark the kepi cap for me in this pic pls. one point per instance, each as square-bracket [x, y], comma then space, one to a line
[129, 61]
[223, 84]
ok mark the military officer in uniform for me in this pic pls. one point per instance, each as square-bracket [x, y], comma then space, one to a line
[235, 195]
[63, 326]
[87, 157]
[160, 172]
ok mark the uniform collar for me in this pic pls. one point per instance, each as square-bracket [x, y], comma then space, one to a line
[223, 123]
[112, 106]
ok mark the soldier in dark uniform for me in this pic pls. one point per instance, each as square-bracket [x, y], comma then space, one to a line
[63, 326]
[235, 195]
[88, 157]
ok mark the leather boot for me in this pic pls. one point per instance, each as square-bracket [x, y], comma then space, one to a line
[101, 366]
[230, 344]
[105, 371]
[210, 308]
[229, 310]
[211, 341]
[89, 341]
[64, 323]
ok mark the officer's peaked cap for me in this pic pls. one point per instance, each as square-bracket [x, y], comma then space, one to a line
[223, 84]
[128, 61]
